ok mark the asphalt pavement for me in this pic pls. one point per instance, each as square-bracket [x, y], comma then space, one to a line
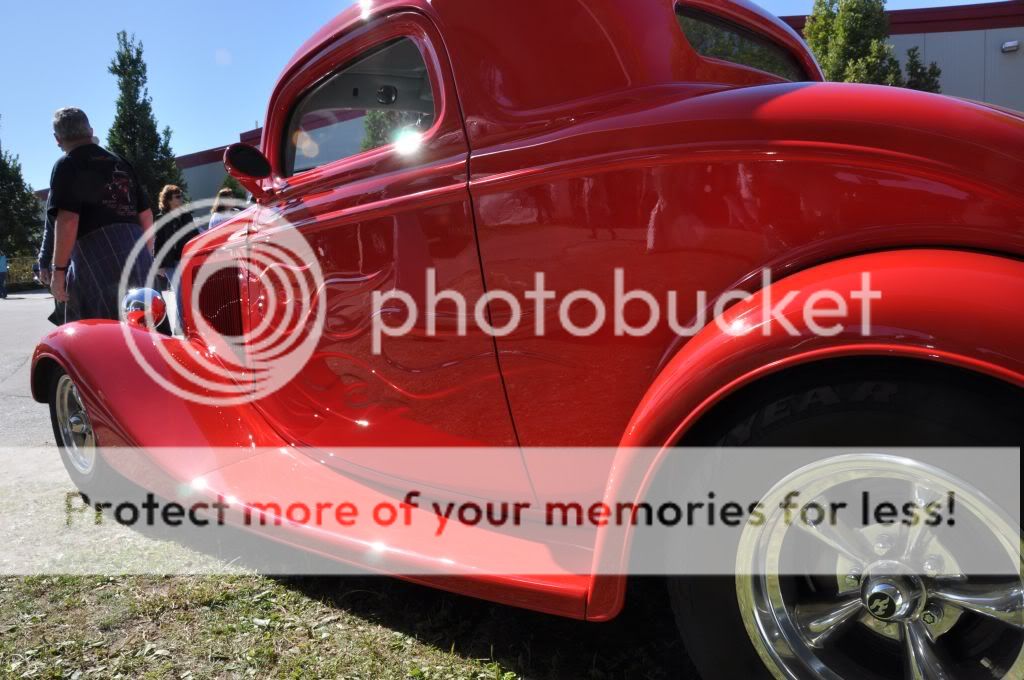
[35, 529]
[23, 422]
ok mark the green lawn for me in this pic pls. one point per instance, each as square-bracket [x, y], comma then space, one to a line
[322, 627]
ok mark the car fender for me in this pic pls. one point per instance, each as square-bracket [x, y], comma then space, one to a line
[129, 408]
[958, 308]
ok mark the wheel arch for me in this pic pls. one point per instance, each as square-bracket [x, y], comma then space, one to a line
[956, 376]
[43, 367]
[915, 321]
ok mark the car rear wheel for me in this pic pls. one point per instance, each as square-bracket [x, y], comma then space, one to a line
[894, 606]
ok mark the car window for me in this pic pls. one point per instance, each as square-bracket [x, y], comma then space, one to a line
[713, 36]
[372, 101]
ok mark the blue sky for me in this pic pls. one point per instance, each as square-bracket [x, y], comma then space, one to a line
[211, 64]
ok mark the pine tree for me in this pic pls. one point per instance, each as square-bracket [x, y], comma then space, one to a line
[20, 212]
[849, 39]
[134, 135]
[236, 189]
[919, 77]
[878, 67]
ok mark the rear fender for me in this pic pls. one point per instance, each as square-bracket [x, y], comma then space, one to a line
[953, 307]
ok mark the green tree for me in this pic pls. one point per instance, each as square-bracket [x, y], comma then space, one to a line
[20, 213]
[381, 126]
[920, 77]
[237, 190]
[849, 39]
[878, 67]
[134, 135]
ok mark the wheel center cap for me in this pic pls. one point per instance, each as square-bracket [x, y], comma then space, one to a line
[891, 593]
[885, 601]
[76, 424]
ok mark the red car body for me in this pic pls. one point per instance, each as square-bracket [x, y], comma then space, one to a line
[570, 139]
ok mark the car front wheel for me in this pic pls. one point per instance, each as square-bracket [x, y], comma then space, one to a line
[76, 440]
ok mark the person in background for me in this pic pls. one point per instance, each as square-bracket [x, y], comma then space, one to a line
[45, 256]
[3, 275]
[176, 230]
[222, 208]
[102, 213]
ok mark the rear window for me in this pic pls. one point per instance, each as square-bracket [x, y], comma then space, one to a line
[712, 36]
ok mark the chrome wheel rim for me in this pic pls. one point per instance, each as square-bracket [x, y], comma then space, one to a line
[902, 594]
[75, 428]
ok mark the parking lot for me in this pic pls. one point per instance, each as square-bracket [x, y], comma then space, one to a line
[22, 323]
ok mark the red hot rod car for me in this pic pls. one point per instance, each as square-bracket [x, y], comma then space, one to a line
[690, 145]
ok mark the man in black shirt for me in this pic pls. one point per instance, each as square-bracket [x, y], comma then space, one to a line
[102, 212]
[45, 257]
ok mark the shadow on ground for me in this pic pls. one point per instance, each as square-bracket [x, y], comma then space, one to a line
[640, 643]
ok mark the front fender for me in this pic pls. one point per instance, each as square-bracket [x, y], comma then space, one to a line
[128, 408]
[960, 308]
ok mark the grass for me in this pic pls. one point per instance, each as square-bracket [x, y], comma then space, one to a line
[323, 627]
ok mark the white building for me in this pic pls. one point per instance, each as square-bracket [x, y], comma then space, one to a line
[204, 170]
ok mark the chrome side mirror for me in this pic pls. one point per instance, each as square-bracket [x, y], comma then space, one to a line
[143, 307]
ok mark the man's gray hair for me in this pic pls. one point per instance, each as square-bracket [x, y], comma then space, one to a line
[70, 124]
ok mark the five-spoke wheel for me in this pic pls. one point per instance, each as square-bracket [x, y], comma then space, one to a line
[73, 426]
[834, 600]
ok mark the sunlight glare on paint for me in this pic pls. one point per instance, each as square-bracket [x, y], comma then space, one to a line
[407, 142]
[739, 327]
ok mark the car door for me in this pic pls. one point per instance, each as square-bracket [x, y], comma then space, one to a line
[370, 151]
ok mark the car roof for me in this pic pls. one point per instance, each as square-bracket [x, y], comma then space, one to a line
[744, 12]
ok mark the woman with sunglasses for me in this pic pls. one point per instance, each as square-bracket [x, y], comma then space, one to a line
[175, 230]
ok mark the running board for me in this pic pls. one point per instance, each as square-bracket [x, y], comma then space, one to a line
[469, 560]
